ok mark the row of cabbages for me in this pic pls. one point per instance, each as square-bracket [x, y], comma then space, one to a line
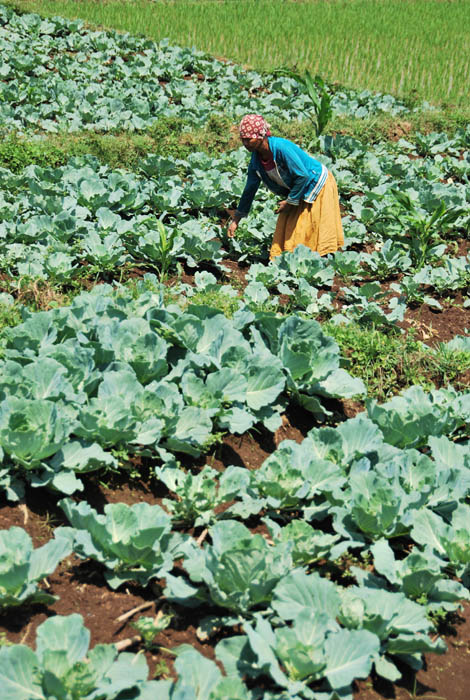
[113, 371]
[86, 219]
[56, 75]
[344, 491]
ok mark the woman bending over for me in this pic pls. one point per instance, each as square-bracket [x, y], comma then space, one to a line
[309, 211]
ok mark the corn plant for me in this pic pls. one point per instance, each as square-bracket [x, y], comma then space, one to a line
[159, 248]
[423, 231]
[320, 101]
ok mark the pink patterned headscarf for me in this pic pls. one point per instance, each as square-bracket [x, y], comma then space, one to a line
[253, 126]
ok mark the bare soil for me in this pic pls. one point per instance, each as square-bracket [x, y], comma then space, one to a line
[434, 326]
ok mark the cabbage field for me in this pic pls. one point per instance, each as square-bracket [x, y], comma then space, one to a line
[206, 495]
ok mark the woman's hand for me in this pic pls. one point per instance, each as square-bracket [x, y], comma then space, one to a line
[232, 228]
[281, 206]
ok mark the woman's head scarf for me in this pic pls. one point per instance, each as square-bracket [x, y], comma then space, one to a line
[253, 126]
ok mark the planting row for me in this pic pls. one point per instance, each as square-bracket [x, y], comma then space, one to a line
[85, 219]
[113, 371]
[56, 75]
[399, 475]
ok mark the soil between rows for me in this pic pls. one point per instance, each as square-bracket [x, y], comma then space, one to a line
[81, 587]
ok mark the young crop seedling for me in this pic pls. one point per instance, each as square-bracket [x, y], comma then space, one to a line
[150, 627]
[422, 233]
[321, 102]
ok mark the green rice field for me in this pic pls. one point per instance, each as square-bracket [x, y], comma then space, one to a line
[418, 49]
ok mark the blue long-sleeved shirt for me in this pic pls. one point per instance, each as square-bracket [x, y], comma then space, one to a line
[303, 176]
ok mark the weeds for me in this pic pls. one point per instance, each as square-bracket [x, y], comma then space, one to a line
[387, 363]
[175, 137]
[225, 303]
[4, 641]
[451, 365]
[10, 315]
[178, 138]
[16, 153]
[413, 695]
[38, 294]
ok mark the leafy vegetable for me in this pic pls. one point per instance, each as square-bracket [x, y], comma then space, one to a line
[239, 570]
[22, 567]
[134, 543]
[63, 667]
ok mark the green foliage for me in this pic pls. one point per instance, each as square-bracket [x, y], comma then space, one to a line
[320, 99]
[309, 545]
[411, 290]
[4, 641]
[169, 136]
[63, 666]
[22, 567]
[238, 571]
[408, 419]
[382, 32]
[424, 233]
[162, 670]
[420, 578]
[125, 372]
[164, 249]
[217, 299]
[386, 362]
[313, 648]
[196, 496]
[178, 137]
[376, 128]
[32, 430]
[448, 541]
[134, 542]
[251, 360]
[9, 312]
[16, 153]
[452, 364]
[149, 627]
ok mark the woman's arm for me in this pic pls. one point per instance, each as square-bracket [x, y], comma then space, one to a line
[244, 205]
[233, 225]
[252, 183]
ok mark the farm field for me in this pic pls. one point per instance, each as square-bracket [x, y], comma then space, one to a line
[414, 48]
[251, 477]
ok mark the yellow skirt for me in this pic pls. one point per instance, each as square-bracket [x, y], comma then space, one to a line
[317, 226]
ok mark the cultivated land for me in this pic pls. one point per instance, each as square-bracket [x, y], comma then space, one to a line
[419, 49]
[281, 449]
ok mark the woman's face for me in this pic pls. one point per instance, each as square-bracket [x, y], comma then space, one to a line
[252, 144]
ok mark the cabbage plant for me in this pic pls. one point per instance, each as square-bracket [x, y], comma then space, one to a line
[313, 651]
[238, 571]
[62, 667]
[22, 567]
[134, 543]
[32, 430]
